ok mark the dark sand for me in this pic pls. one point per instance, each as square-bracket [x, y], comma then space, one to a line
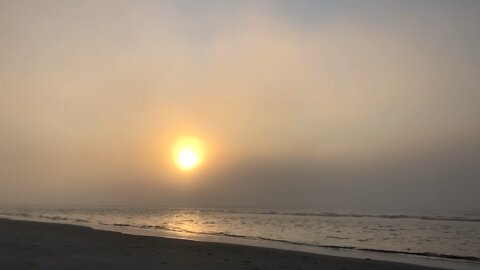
[35, 245]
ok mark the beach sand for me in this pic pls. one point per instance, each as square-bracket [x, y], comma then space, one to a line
[36, 245]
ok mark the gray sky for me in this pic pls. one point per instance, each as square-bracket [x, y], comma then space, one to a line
[311, 104]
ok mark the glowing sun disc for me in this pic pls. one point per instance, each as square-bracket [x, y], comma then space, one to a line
[187, 159]
[187, 154]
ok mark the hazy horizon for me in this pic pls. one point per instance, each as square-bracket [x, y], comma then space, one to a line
[299, 104]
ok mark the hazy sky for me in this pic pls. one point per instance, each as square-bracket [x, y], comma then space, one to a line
[311, 104]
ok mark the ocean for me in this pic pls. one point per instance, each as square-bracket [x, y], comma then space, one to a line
[451, 240]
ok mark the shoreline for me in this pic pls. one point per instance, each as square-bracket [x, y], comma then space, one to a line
[336, 251]
[59, 246]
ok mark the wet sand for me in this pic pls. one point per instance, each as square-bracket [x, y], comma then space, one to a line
[36, 245]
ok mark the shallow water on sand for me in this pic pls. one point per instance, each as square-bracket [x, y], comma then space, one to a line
[452, 237]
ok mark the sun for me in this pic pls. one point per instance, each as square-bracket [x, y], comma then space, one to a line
[188, 153]
[187, 159]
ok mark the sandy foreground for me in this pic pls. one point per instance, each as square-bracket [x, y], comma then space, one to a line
[36, 245]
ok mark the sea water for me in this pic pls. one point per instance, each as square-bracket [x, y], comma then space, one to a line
[450, 238]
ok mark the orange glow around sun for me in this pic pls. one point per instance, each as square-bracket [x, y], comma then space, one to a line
[188, 153]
